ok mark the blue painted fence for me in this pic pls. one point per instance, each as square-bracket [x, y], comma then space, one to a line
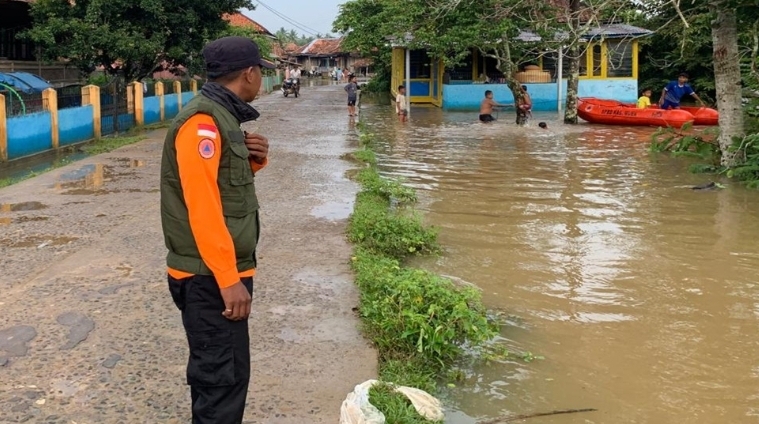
[75, 125]
[170, 106]
[545, 97]
[33, 133]
[30, 134]
[152, 107]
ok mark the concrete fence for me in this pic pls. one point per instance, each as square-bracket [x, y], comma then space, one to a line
[101, 113]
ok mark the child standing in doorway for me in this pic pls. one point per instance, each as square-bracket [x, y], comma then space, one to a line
[401, 107]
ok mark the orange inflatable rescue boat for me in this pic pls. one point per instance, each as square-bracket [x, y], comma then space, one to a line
[612, 112]
[703, 115]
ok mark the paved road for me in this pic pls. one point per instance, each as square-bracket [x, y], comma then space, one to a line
[88, 332]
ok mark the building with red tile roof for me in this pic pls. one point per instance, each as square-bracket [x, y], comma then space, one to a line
[325, 54]
[241, 21]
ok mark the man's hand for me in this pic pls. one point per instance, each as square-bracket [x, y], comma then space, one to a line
[237, 301]
[258, 147]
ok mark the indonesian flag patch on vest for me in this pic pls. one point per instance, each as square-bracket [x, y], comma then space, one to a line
[207, 131]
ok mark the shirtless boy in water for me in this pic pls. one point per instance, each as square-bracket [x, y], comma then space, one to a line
[486, 107]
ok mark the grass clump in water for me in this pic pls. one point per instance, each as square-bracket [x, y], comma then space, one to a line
[106, 145]
[5, 182]
[419, 322]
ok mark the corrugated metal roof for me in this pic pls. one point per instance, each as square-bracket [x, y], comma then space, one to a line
[605, 31]
[323, 46]
[617, 31]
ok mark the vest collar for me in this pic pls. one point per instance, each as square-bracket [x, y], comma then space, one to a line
[242, 111]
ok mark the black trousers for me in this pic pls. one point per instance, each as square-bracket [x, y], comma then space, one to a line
[218, 370]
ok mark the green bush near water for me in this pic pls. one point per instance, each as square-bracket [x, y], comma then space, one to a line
[418, 321]
[705, 148]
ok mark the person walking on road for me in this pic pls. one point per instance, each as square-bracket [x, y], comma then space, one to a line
[352, 90]
[209, 215]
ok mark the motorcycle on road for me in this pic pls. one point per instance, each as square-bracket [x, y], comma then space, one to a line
[291, 86]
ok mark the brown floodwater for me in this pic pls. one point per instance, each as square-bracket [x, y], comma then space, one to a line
[641, 293]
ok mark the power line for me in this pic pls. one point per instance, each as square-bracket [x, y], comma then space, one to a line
[297, 24]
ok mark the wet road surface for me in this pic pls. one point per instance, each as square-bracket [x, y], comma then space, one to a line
[88, 332]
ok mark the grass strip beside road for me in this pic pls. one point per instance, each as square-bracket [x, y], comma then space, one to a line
[418, 321]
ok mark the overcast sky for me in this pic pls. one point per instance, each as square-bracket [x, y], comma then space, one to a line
[311, 15]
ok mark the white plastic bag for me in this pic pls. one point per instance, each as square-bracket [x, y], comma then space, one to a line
[356, 408]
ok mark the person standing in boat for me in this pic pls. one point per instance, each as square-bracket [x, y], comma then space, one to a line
[645, 98]
[675, 90]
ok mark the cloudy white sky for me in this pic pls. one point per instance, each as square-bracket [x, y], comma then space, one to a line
[306, 16]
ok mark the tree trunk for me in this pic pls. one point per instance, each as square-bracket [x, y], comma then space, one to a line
[509, 68]
[573, 79]
[727, 78]
[573, 83]
[516, 90]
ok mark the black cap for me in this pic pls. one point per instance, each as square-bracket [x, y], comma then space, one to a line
[230, 54]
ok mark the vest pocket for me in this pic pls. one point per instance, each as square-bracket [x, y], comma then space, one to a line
[240, 172]
[238, 195]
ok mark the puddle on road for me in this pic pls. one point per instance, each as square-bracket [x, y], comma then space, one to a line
[22, 219]
[88, 177]
[23, 206]
[37, 241]
[92, 179]
[333, 211]
[131, 163]
[30, 219]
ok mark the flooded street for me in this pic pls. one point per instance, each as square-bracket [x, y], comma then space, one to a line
[641, 293]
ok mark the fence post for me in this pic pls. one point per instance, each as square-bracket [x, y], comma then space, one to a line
[178, 91]
[130, 98]
[194, 86]
[139, 103]
[91, 96]
[50, 103]
[159, 93]
[3, 131]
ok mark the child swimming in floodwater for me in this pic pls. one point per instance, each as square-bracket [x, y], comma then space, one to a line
[543, 125]
[486, 107]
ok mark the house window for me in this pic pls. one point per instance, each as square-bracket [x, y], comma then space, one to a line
[596, 60]
[462, 71]
[550, 63]
[420, 64]
[619, 58]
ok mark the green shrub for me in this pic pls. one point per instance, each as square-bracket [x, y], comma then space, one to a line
[366, 156]
[418, 321]
[372, 183]
[412, 312]
[395, 233]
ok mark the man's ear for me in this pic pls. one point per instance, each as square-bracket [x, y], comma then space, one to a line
[250, 74]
